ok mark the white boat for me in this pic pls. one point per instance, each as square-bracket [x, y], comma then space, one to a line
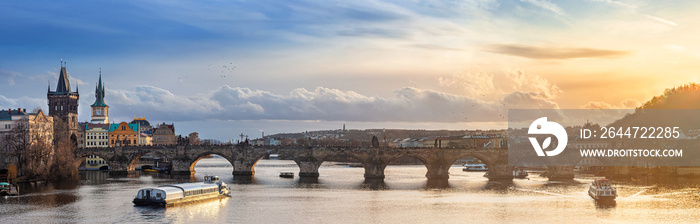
[520, 173]
[475, 167]
[171, 194]
[601, 189]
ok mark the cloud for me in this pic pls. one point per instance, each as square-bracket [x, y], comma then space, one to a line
[662, 20]
[547, 5]
[9, 76]
[533, 83]
[407, 104]
[553, 53]
[625, 104]
[634, 9]
[475, 84]
[22, 102]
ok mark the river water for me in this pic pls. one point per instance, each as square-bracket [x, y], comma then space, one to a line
[341, 196]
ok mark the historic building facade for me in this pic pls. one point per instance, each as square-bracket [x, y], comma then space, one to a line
[164, 134]
[63, 103]
[96, 135]
[123, 134]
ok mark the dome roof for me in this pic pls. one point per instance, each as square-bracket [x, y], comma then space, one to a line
[141, 121]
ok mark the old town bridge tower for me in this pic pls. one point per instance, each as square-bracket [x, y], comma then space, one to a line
[63, 104]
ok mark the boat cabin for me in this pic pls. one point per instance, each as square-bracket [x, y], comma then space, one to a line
[211, 179]
[602, 183]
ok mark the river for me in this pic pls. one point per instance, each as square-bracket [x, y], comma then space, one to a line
[342, 196]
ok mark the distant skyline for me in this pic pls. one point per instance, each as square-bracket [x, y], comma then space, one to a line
[229, 67]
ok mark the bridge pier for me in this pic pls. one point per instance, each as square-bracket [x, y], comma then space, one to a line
[374, 169]
[438, 170]
[243, 167]
[560, 173]
[308, 166]
[500, 171]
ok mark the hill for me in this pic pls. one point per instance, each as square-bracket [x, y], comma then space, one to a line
[657, 111]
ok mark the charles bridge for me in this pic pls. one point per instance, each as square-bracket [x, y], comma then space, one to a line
[309, 158]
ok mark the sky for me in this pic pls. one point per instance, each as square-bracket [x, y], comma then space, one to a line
[222, 68]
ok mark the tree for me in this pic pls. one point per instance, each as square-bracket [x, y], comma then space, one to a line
[30, 142]
[64, 155]
[18, 141]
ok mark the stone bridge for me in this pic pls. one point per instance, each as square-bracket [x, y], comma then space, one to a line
[374, 160]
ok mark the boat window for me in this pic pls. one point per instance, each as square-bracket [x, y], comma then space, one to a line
[158, 195]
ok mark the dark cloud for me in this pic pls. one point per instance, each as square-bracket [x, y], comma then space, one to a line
[552, 52]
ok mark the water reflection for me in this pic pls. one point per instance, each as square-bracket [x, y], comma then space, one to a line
[437, 184]
[244, 180]
[499, 186]
[374, 184]
[605, 204]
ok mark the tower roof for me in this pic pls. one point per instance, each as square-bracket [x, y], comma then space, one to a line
[63, 85]
[63, 82]
[99, 94]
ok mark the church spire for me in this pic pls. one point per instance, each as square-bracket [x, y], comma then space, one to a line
[63, 82]
[99, 92]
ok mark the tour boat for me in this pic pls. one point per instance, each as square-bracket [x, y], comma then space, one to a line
[7, 189]
[287, 174]
[171, 194]
[474, 167]
[601, 189]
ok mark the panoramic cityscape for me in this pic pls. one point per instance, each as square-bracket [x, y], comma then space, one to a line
[489, 111]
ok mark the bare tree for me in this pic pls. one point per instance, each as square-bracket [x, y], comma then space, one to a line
[30, 142]
[19, 140]
[63, 157]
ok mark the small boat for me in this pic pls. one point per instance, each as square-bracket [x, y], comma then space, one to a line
[474, 167]
[520, 173]
[172, 194]
[287, 174]
[7, 189]
[601, 189]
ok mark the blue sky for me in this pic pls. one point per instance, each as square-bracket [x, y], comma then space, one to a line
[225, 67]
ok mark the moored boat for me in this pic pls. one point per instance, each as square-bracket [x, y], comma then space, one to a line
[520, 173]
[602, 189]
[172, 194]
[287, 174]
[7, 189]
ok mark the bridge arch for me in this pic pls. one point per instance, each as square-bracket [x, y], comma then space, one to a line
[131, 166]
[483, 158]
[208, 153]
[83, 160]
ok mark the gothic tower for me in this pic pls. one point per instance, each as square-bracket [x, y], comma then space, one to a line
[100, 110]
[63, 103]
